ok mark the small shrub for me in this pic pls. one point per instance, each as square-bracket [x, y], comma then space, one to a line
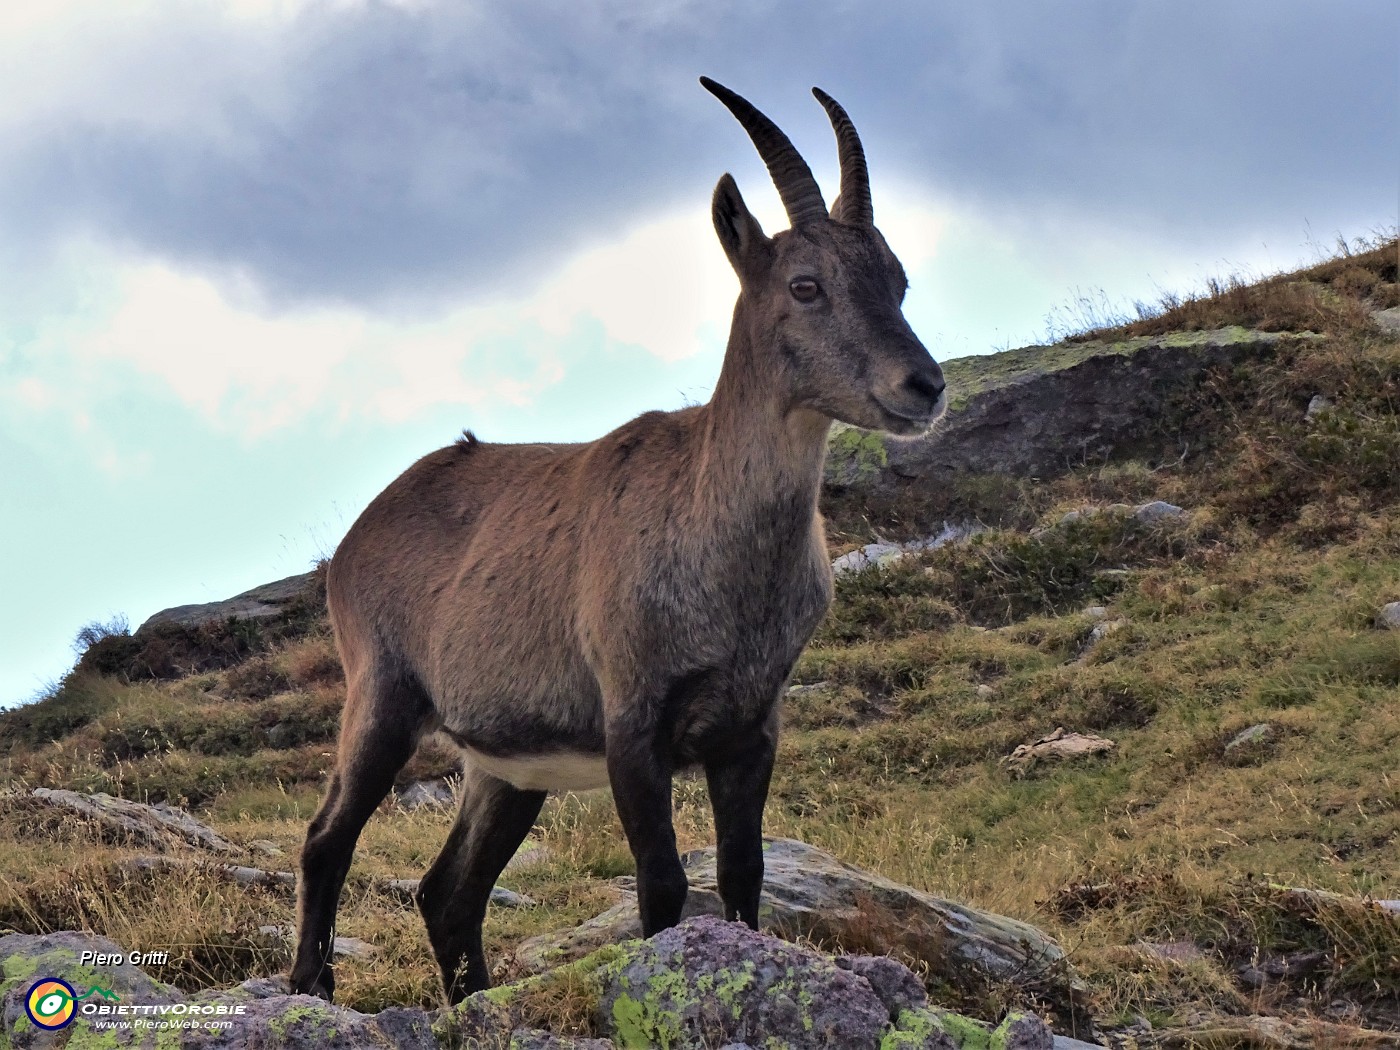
[173, 650]
[90, 634]
[312, 661]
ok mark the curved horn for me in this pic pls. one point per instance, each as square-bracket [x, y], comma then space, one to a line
[853, 204]
[802, 197]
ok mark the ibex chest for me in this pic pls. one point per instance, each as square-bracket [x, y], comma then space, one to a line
[744, 621]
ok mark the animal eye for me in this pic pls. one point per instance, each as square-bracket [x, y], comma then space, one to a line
[804, 289]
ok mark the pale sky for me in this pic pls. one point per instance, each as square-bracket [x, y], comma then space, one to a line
[258, 256]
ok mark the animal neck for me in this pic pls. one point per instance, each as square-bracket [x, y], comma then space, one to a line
[761, 450]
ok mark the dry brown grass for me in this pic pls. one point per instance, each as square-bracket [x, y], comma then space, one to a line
[312, 661]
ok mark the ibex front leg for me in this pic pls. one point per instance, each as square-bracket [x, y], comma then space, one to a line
[639, 771]
[738, 782]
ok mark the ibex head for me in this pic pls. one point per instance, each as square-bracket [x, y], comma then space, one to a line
[826, 294]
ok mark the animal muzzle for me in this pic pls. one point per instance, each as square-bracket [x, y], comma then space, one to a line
[917, 399]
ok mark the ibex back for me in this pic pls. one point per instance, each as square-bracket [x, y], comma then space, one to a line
[609, 613]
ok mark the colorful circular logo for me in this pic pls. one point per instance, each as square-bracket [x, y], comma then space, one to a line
[51, 1003]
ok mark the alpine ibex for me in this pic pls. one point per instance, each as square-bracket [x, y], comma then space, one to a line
[612, 612]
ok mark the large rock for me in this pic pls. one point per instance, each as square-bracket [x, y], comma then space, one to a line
[1042, 410]
[807, 892]
[706, 983]
[27, 959]
[711, 983]
[161, 826]
[261, 603]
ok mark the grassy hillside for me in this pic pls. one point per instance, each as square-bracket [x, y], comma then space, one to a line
[1256, 608]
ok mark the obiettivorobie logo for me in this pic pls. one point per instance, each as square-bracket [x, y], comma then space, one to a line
[52, 1003]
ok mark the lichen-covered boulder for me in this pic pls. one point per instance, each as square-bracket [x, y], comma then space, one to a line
[808, 892]
[26, 960]
[619, 923]
[705, 983]
[896, 985]
[304, 1022]
[709, 982]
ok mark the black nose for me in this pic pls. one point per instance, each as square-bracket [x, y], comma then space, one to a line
[927, 382]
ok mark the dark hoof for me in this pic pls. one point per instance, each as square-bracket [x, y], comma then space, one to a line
[322, 986]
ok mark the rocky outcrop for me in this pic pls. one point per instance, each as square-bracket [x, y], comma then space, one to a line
[705, 983]
[160, 826]
[809, 893]
[710, 983]
[755, 990]
[1041, 410]
[265, 602]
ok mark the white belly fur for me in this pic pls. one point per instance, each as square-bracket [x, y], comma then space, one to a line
[557, 771]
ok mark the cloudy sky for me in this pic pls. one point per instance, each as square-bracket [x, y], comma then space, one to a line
[256, 256]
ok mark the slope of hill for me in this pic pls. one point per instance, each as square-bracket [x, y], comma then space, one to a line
[1171, 867]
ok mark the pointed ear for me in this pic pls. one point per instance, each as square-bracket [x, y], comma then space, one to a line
[739, 232]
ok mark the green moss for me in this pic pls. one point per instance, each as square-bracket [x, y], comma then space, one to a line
[911, 1030]
[1002, 1033]
[502, 996]
[522, 1001]
[967, 1033]
[652, 1021]
[317, 1018]
[859, 453]
[18, 967]
[85, 1038]
[729, 983]
[84, 975]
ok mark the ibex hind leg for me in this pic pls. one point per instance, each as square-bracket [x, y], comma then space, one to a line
[379, 730]
[493, 821]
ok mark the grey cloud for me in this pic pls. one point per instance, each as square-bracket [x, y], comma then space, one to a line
[397, 156]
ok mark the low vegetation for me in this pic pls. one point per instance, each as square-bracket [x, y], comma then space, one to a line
[1170, 869]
